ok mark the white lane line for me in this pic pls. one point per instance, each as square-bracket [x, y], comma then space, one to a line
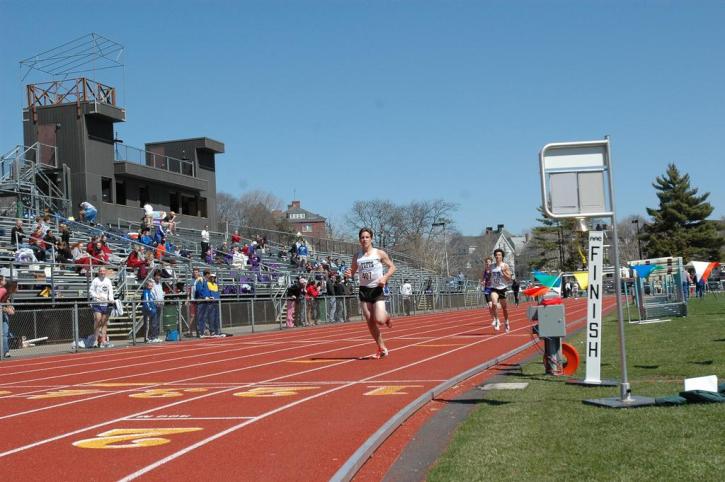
[218, 435]
[106, 394]
[438, 326]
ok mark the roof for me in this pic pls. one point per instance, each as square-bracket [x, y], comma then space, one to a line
[206, 143]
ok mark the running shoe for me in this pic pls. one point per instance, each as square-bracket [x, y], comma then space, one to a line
[508, 327]
[380, 354]
[497, 324]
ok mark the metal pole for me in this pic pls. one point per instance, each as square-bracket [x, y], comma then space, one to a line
[445, 249]
[76, 335]
[624, 387]
[252, 308]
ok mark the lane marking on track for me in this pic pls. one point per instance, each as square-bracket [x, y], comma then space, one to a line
[441, 344]
[218, 435]
[181, 452]
[432, 319]
[438, 327]
[145, 418]
[58, 437]
[312, 361]
[193, 399]
[385, 390]
[136, 438]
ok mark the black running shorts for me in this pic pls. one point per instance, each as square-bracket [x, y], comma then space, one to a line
[371, 295]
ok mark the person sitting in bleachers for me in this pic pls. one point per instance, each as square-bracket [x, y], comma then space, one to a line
[135, 258]
[161, 248]
[169, 223]
[65, 234]
[17, 235]
[63, 253]
[146, 238]
[238, 258]
[100, 253]
[50, 242]
[37, 244]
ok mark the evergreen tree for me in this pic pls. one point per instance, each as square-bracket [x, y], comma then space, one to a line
[679, 226]
[555, 245]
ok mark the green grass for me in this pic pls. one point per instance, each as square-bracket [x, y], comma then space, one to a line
[545, 432]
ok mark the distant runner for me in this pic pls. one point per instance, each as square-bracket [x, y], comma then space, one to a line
[500, 277]
[369, 263]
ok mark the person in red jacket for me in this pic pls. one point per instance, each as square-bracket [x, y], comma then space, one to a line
[312, 293]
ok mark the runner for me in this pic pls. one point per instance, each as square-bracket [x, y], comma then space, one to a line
[101, 294]
[370, 263]
[500, 276]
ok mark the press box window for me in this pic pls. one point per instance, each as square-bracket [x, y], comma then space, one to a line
[106, 190]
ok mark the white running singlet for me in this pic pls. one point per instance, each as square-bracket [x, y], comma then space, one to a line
[370, 269]
[497, 280]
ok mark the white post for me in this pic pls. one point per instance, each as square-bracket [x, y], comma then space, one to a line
[594, 308]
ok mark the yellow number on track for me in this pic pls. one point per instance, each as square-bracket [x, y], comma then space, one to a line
[133, 438]
[165, 392]
[272, 391]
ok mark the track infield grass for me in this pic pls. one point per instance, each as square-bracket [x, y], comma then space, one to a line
[545, 432]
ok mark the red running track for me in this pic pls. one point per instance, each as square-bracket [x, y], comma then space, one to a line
[290, 405]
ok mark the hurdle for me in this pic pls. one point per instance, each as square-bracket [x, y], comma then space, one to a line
[658, 289]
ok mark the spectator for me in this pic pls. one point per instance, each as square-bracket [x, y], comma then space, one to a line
[7, 290]
[50, 241]
[312, 308]
[88, 213]
[63, 254]
[136, 259]
[17, 235]
[236, 238]
[202, 297]
[169, 222]
[101, 294]
[331, 301]
[65, 234]
[212, 314]
[196, 279]
[158, 297]
[302, 253]
[148, 310]
[146, 238]
[37, 244]
[302, 301]
[148, 215]
[204, 241]
[293, 292]
[239, 261]
[161, 249]
[406, 291]
[100, 253]
[340, 295]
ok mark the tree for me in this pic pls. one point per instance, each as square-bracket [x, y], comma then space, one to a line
[679, 225]
[556, 245]
[628, 242]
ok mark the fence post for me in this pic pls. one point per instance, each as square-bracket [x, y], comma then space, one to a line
[134, 321]
[76, 336]
[178, 320]
[2, 333]
[219, 307]
[252, 302]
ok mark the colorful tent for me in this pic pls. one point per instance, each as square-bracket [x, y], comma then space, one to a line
[703, 269]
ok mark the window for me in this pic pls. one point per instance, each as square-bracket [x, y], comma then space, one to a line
[297, 216]
[106, 190]
[307, 228]
[202, 207]
[121, 192]
[143, 196]
[174, 201]
[189, 206]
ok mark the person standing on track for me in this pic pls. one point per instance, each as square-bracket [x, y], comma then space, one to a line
[500, 277]
[369, 263]
[101, 294]
[515, 287]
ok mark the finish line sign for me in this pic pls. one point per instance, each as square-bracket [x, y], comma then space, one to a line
[594, 307]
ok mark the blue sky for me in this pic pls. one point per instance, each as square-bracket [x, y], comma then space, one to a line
[344, 100]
